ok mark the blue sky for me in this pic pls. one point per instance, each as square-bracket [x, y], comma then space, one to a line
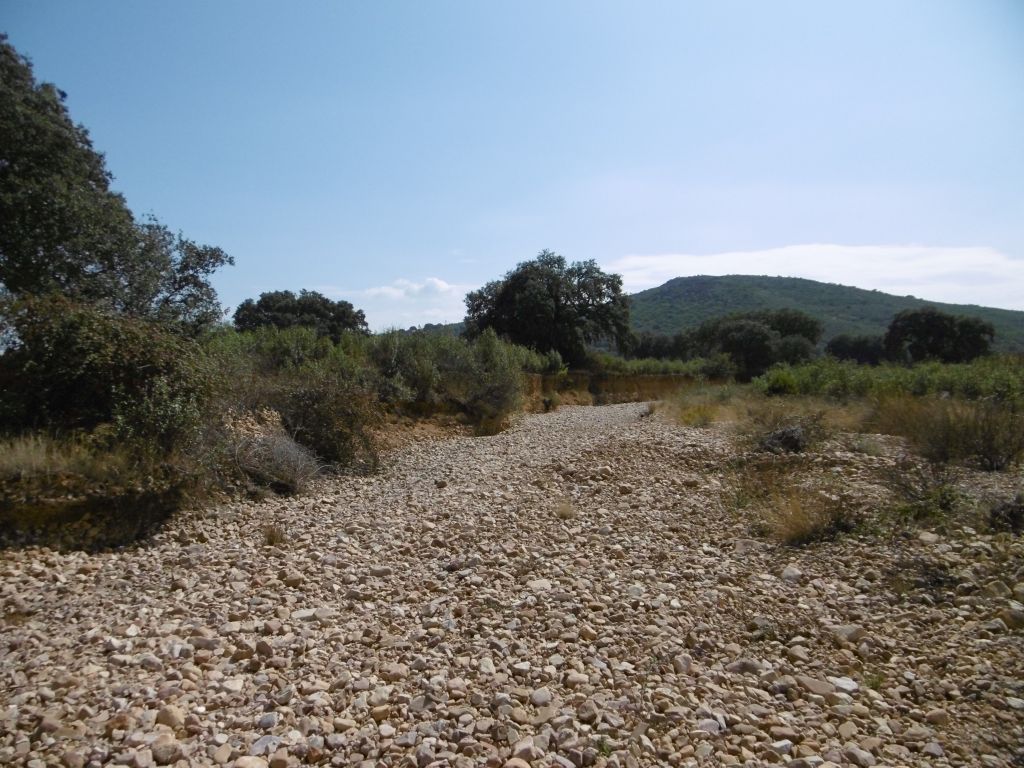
[397, 154]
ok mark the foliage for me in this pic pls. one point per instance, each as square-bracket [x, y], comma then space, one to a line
[757, 340]
[64, 231]
[868, 350]
[72, 367]
[988, 433]
[926, 491]
[326, 396]
[283, 309]
[1008, 516]
[916, 335]
[997, 377]
[683, 303]
[547, 304]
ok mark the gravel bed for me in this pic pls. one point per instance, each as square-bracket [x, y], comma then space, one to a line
[573, 592]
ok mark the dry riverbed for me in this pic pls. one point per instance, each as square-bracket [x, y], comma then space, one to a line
[573, 592]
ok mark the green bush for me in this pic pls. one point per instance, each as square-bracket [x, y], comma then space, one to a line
[999, 378]
[77, 368]
[327, 397]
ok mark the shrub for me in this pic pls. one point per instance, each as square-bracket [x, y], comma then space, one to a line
[784, 427]
[988, 433]
[927, 491]
[277, 461]
[71, 367]
[1008, 516]
[496, 388]
[329, 409]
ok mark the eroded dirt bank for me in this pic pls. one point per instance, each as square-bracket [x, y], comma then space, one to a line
[456, 610]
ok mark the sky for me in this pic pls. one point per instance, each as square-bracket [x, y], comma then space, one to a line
[398, 154]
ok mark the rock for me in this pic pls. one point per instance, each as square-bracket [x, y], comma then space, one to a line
[859, 757]
[166, 750]
[814, 685]
[785, 440]
[937, 717]
[1013, 618]
[171, 716]
[250, 761]
[850, 633]
[588, 712]
[844, 684]
[791, 574]
[539, 585]
[933, 749]
[540, 697]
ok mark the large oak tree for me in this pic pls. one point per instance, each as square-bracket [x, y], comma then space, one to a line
[548, 304]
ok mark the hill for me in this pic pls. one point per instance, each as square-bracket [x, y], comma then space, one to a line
[686, 302]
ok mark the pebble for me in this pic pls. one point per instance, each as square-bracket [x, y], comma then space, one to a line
[402, 625]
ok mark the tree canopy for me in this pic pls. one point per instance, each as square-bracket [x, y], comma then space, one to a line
[548, 304]
[63, 230]
[283, 309]
[928, 334]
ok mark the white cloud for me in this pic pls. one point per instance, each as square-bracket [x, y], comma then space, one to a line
[405, 303]
[964, 275]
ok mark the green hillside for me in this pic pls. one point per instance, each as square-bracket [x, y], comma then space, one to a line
[685, 302]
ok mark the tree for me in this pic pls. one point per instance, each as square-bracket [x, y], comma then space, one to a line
[62, 229]
[548, 304]
[283, 309]
[928, 334]
[867, 350]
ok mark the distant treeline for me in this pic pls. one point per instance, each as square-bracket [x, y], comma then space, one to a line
[755, 341]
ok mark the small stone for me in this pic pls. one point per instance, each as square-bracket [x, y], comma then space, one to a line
[171, 716]
[844, 684]
[268, 721]
[933, 749]
[539, 585]
[859, 757]
[386, 731]
[541, 697]
[791, 574]
[264, 745]
[937, 717]
[250, 761]
[166, 750]
[588, 712]
[850, 633]
[815, 686]
[223, 754]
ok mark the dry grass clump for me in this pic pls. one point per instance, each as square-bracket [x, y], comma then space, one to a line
[39, 456]
[783, 505]
[987, 433]
[265, 453]
[274, 535]
[564, 509]
[704, 405]
[799, 516]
